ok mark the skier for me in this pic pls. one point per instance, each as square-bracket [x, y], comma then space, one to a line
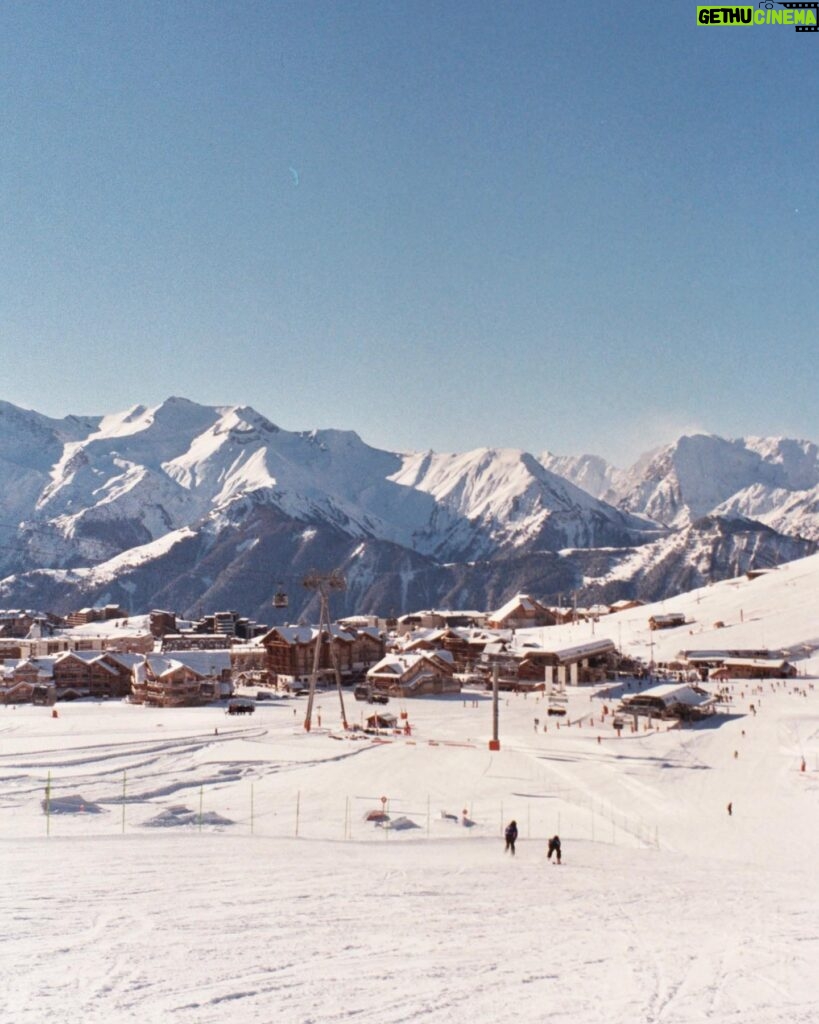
[554, 847]
[730, 809]
[511, 835]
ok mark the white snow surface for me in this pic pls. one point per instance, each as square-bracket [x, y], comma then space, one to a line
[777, 610]
[201, 869]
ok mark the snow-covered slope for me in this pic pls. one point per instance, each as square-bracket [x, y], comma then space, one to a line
[665, 907]
[129, 477]
[712, 548]
[589, 472]
[498, 497]
[774, 610]
[133, 476]
[30, 445]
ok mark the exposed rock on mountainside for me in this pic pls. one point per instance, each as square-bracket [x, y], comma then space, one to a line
[774, 480]
[184, 505]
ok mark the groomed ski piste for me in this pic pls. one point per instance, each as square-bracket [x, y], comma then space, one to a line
[193, 868]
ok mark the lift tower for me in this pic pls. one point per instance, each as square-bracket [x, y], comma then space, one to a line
[324, 584]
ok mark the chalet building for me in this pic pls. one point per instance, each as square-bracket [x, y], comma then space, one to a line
[291, 652]
[669, 621]
[466, 645]
[753, 668]
[20, 677]
[71, 673]
[563, 615]
[91, 673]
[438, 619]
[521, 612]
[181, 679]
[415, 674]
[737, 664]
[413, 621]
[590, 613]
[626, 604]
[368, 648]
[20, 691]
[248, 663]
[590, 662]
[422, 639]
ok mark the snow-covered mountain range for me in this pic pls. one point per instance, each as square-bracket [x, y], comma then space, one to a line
[185, 505]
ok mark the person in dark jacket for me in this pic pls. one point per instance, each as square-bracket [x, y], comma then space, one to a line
[554, 847]
[511, 835]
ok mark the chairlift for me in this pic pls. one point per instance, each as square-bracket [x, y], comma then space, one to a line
[280, 599]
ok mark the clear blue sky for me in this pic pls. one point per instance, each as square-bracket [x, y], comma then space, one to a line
[584, 227]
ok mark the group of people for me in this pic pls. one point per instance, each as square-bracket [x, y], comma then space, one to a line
[511, 835]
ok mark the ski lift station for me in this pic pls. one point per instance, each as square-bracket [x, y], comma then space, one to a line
[670, 700]
[588, 662]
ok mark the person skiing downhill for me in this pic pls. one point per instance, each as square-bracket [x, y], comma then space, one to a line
[511, 835]
[554, 847]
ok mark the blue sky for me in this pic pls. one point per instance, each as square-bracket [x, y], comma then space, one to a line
[581, 227]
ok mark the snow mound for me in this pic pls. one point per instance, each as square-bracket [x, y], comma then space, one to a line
[179, 815]
[73, 804]
[400, 824]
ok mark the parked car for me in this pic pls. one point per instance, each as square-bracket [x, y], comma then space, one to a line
[241, 707]
[370, 695]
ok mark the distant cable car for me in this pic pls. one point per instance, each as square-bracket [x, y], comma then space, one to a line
[280, 599]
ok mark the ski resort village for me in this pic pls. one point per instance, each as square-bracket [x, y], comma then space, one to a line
[215, 818]
[160, 660]
[289, 726]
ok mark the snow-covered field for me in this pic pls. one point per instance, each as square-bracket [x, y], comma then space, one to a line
[199, 868]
